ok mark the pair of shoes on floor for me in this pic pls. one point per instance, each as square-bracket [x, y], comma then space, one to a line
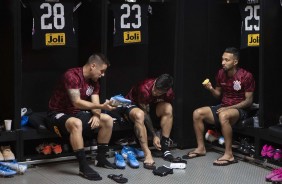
[246, 147]
[6, 153]
[47, 149]
[270, 152]
[138, 153]
[129, 156]
[274, 176]
[19, 168]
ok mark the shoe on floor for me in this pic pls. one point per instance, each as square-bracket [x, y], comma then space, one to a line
[131, 160]
[119, 161]
[6, 172]
[277, 155]
[195, 155]
[7, 153]
[272, 174]
[270, 151]
[137, 152]
[20, 168]
[46, 149]
[56, 148]
[277, 178]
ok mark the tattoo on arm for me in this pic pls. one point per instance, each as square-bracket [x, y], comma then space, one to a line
[149, 124]
[74, 94]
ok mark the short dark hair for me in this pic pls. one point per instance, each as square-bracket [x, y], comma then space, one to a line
[234, 51]
[98, 58]
[164, 82]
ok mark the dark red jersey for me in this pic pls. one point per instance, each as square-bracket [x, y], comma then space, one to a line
[234, 88]
[72, 79]
[142, 93]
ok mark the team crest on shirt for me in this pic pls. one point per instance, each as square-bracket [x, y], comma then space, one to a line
[236, 85]
[89, 90]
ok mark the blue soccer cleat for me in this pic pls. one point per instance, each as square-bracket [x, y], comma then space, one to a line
[137, 152]
[6, 172]
[119, 161]
[119, 100]
[20, 168]
[131, 160]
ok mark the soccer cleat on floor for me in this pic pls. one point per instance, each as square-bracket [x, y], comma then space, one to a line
[119, 161]
[119, 100]
[20, 168]
[131, 160]
[137, 152]
[6, 172]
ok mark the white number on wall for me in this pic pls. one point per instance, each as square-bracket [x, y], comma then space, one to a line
[137, 10]
[58, 16]
[253, 13]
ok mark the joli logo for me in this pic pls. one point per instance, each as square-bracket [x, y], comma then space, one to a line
[132, 37]
[253, 39]
[54, 39]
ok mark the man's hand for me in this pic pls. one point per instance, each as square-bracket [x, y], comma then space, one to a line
[94, 122]
[157, 142]
[221, 109]
[107, 106]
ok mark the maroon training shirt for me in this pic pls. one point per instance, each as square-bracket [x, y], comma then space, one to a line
[142, 93]
[72, 79]
[234, 88]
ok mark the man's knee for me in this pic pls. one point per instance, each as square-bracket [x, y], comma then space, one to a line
[74, 124]
[137, 116]
[106, 120]
[165, 109]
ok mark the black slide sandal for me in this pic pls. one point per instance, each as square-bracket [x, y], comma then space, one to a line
[118, 178]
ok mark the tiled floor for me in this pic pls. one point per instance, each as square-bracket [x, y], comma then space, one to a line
[198, 171]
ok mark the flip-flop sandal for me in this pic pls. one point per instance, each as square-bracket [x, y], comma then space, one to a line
[187, 156]
[149, 166]
[118, 178]
[178, 160]
[226, 162]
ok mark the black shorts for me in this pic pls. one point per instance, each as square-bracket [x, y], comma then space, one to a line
[243, 114]
[56, 123]
[122, 114]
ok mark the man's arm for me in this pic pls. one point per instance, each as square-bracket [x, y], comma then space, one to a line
[96, 100]
[77, 102]
[216, 92]
[246, 103]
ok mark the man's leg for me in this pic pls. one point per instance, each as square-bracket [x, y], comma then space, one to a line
[74, 127]
[137, 116]
[227, 118]
[199, 116]
[104, 136]
[164, 111]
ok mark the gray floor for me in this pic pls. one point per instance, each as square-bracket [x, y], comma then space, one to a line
[198, 171]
